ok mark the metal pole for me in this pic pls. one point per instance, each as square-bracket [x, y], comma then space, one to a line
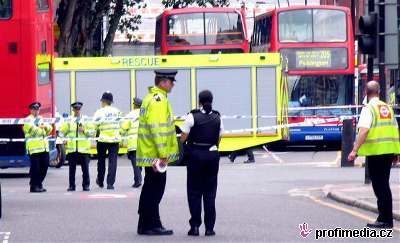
[347, 142]
[381, 48]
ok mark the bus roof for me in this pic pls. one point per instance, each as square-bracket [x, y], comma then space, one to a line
[199, 10]
[299, 7]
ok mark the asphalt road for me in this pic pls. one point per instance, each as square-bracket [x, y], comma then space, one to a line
[261, 202]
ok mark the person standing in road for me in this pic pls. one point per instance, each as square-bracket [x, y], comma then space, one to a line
[108, 127]
[78, 132]
[157, 146]
[202, 131]
[378, 139]
[130, 129]
[37, 146]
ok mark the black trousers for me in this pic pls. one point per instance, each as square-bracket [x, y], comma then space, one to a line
[202, 181]
[150, 198]
[249, 153]
[102, 149]
[137, 171]
[379, 170]
[82, 159]
[38, 170]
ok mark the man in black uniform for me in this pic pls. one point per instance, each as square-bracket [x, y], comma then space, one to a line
[201, 131]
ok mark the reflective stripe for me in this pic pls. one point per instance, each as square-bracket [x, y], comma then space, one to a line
[108, 129]
[161, 145]
[388, 123]
[148, 126]
[155, 135]
[377, 140]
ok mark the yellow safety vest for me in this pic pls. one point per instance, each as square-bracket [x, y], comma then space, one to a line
[156, 133]
[109, 131]
[36, 136]
[383, 136]
[129, 128]
[78, 141]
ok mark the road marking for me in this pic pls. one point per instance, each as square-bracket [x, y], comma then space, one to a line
[106, 196]
[336, 161]
[273, 155]
[6, 236]
[306, 193]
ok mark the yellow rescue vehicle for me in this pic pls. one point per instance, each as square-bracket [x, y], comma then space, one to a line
[250, 90]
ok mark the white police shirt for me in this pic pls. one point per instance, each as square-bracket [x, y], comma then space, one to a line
[366, 117]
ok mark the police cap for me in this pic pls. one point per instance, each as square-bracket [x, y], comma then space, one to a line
[166, 73]
[107, 96]
[35, 106]
[137, 101]
[77, 105]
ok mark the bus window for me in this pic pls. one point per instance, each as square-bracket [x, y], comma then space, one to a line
[43, 73]
[5, 9]
[329, 25]
[157, 40]
[295, 26]
[223, 28]
[185, 29]
[42, 5]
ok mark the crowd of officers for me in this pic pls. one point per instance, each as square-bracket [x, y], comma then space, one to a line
[151, 138]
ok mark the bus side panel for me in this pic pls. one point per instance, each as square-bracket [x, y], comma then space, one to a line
[10, 63]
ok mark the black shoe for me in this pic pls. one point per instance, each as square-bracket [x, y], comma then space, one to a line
[42, 189]
[100, 184]
[136, 185]
[71, 189]
[249, 161]
[231, 158]
[36, 189]
[110, 187]
[194, 231]
[85, 188]
[380, 225]
[209, 232]
[155, 231]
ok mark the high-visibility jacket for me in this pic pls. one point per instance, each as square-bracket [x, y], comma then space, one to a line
[156, 133]
[36, 136]
[77, 141]
[129, 128]
[109, 131]
[383, 136]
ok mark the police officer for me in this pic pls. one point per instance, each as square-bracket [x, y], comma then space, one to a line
[78, 146]
[202, 130]
[37, 147]
[108, 140]
[378, 139]
[157, 146]
[130, 129]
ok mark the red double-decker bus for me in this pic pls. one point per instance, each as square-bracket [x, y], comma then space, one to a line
[318, 43]
[26, 64]
[201, 31]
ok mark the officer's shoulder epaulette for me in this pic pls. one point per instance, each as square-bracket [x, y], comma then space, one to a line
[216, 112]
[157, 97]
[194, 111]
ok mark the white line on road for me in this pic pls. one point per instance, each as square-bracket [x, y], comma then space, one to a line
[6, 236]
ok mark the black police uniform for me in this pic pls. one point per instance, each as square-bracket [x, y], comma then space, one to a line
[75, 158]
[202, 168]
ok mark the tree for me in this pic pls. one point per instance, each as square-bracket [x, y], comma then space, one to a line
[81, 25]
[200, 3]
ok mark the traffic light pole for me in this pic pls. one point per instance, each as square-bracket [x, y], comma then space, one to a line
[381, 48]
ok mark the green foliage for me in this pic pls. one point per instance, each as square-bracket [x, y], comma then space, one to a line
[200, 3]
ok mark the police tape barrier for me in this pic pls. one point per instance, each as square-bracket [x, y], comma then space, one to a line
[307, 122]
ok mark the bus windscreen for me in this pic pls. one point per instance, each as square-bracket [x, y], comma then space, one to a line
[204, 29]
[312, 25]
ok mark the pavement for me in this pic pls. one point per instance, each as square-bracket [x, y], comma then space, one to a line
[362, 196]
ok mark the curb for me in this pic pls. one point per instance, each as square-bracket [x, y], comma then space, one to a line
[352, 201]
